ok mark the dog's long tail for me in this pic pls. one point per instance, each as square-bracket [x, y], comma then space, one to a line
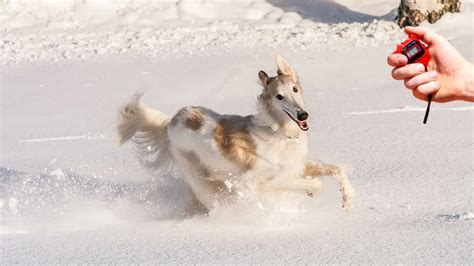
[147, 128]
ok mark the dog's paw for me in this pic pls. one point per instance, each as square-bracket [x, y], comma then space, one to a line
[347, 204]
[347, 197]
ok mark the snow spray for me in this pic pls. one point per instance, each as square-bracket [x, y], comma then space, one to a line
[416, 52]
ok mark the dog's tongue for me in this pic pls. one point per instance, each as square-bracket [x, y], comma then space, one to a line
[303, 125]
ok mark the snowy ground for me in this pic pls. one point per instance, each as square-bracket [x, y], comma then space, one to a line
[68, 194]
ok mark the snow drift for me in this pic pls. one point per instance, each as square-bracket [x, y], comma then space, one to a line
[79, 14]
[58, 30]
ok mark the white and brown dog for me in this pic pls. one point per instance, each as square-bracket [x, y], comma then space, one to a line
[213, 152]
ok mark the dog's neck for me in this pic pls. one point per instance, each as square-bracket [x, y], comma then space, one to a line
[268, 118]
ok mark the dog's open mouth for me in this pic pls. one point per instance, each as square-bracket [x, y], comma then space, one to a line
[302, 124]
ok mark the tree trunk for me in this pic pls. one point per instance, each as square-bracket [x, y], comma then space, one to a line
[413, 12]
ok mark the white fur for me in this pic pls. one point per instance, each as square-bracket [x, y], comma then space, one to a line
[281, 146]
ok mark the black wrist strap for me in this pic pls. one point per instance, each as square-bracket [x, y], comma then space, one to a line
[427, 112]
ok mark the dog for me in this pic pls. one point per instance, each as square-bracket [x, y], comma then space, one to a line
[218, 155]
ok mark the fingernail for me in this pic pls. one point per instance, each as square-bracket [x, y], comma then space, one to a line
[420, 67]
[434, 74]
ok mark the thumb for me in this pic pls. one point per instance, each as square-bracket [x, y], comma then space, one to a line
[424, 34]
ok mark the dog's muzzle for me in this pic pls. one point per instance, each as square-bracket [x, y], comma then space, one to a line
[302, 119]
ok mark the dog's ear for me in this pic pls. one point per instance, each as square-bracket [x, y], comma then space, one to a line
[263, 78]
[284, 68]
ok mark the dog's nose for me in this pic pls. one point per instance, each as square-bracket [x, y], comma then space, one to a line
[302, 116]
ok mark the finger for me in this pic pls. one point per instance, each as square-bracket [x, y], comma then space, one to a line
[422, 33]
[418, 80]
[408, 71]
[429, 88]
[397, 60]
[419, 95]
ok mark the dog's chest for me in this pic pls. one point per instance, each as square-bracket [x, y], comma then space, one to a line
[282, 155]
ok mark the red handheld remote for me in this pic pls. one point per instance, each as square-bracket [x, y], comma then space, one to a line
[416, 52]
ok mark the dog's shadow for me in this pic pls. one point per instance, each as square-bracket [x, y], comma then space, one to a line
[30, 194]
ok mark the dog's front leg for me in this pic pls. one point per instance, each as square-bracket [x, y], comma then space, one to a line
[339, 173]
[311, 186]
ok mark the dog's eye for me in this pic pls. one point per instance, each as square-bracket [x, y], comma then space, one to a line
[295, 89]
[279, 97]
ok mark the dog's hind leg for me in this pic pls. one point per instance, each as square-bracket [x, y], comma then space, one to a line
[313, 169]
[199, 179]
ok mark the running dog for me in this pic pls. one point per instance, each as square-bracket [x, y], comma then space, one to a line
[219, 154]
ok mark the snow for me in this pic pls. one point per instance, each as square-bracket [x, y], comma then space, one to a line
[59, 30]
[113, 13]
[69, 194]
[178, 42]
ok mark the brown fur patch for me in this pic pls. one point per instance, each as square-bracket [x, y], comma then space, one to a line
[178, 116]
[174, 121]
[194, 120]
[312, 169]
[235, 142]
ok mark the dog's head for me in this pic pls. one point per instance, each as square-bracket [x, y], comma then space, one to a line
[283, 94]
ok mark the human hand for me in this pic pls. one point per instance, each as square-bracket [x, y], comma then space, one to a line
[450, 77]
